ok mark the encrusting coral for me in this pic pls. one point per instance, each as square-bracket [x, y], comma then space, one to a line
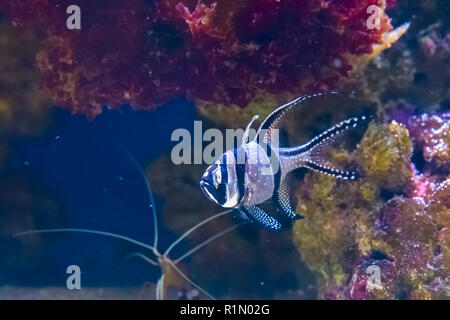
[394, 217]
[384, 154]
[432, 133]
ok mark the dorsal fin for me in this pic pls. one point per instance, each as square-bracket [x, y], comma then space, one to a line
[245, 136]
[273, 120]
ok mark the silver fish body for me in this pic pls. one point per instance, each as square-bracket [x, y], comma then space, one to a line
[248, 176]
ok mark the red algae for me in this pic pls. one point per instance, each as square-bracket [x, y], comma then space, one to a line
[225, 51]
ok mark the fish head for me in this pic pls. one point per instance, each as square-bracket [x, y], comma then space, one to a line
[223, 181]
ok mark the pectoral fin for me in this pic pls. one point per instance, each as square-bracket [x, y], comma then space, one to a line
[260, 216]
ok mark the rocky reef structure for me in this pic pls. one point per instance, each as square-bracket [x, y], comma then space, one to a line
[23, 106]
[145, 53]
[394, 219]
[432, 134]
[415, 67]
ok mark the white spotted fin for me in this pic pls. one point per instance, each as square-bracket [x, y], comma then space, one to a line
[312, 154]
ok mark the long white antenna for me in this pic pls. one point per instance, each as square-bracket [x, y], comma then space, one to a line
[150, 195]
[198, 225]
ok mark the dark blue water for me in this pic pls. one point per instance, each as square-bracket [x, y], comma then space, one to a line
[83, 166]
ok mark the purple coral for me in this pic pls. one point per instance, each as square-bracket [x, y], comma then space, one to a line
[395, 218]
[432, 134]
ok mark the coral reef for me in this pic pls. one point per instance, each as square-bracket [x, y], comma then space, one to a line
[210, 51]
[394, 218]
[416, 67]
[432, 134]
[384, 154]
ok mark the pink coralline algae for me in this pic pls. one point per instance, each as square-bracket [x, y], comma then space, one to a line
[228, 52]
[432, 133]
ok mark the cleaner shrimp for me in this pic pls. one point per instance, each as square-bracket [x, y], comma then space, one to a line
[168, 267]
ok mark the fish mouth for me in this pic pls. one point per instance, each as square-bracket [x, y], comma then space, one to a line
[205, 186]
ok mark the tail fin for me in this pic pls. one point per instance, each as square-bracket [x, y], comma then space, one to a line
[314, 149]
[328, 170]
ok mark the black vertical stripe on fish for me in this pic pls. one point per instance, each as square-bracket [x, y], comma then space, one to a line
[224, 171]
[221, 194]
[276, 172]
[240, 173]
